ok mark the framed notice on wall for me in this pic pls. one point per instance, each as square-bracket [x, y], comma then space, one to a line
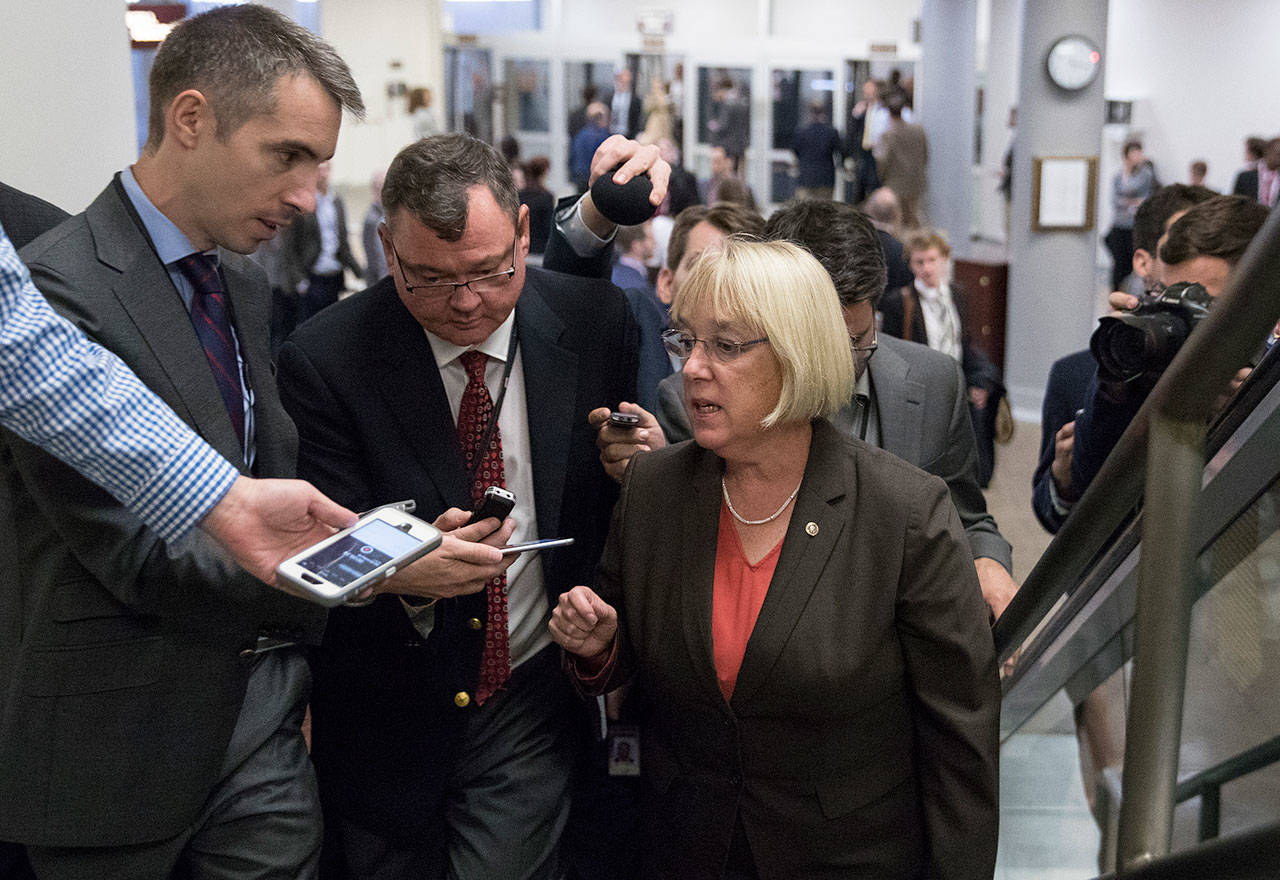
[1063, 192]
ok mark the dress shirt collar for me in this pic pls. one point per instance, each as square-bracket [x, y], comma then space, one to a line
[932, 294]
[495, 345]
[169, 241]
[862, 387]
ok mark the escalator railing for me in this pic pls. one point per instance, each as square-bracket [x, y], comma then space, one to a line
[1092, 602]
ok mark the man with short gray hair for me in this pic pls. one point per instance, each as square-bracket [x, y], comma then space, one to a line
[153, 692]
[441, 732]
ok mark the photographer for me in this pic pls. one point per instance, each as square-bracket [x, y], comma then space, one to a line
[1202, 248]
[1052, 491]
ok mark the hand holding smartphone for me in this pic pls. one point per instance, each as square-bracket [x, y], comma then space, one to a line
[497, 503]
[372, 550]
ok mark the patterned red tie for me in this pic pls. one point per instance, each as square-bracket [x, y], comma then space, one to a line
[213, 328]
[484, 464]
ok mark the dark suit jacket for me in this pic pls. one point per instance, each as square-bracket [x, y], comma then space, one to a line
[126, 679]
[375, 426]
[979, 371]
[301, 246]
[924, 420]
[862, 737]
[24, 216]
[1063, 396]
[1246, 184]
[653, 364]
[817, 148]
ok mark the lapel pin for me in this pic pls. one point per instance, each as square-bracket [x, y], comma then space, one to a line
[811, 529]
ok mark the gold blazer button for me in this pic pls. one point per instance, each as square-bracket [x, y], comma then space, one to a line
[462, 699]
[811, 529]
[475, 623]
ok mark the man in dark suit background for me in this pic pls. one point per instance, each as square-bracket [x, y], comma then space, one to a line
[140, 658]
[24, 216]
[1262, 182]
[317, 252]
[431, 765]
[817, 148]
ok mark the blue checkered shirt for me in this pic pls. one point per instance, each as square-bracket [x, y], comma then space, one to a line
[80, 402]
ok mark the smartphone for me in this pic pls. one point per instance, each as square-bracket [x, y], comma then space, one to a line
[624, 420]
[372, 550]
[543, 544]
[497, 502]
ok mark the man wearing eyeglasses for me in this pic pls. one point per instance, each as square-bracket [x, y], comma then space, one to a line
[441, 732]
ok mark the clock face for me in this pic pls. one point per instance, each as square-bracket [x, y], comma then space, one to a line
[1073, 62]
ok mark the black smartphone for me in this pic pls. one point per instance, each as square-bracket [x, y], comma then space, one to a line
[497, 502]
[624, 420]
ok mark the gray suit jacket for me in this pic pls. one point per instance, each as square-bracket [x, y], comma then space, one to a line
[924, 419]
[122, 676]
[863, 727]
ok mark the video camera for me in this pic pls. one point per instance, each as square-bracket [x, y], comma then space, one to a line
[1144, 341]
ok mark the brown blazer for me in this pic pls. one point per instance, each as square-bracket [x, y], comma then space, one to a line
[862, 737]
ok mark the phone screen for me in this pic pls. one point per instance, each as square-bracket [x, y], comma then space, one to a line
[359, 553]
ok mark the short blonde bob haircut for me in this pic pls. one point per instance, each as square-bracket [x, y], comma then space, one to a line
[778, 290]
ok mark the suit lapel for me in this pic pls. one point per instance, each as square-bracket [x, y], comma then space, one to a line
[146, 293]
[805, 551]
[417, 398]
[695, 569]
[551, 391]
[899, 403]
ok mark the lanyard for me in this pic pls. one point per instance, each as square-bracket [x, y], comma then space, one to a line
[502, 396]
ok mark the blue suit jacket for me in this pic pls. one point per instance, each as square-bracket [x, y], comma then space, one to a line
[1063, 397]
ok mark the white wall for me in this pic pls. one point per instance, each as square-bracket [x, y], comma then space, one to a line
[66, 98]
[370, 36]
[1205, 75]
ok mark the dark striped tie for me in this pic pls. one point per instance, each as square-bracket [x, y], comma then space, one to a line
[213, 327]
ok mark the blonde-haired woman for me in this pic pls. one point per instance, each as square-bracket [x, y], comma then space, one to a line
[799, 609]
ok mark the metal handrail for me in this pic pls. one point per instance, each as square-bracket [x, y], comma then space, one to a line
[1252, 855]
[1159, 457]
[1228, 337]
[1207, 784]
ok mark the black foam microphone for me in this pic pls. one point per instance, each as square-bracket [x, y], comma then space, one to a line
[626, 204]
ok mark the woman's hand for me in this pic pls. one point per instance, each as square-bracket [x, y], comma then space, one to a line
[584, 624]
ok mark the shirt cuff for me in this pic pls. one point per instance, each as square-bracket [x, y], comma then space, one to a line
[1060, 507]
[185, 489]
[584, 242]
[592, 684]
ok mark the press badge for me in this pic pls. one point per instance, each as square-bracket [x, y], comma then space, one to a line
[624, 750]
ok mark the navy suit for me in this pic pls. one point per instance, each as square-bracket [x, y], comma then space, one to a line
[1246, 184]
[1064, 395]
[375, 426]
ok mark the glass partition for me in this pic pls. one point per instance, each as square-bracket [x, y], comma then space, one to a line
[527, 93]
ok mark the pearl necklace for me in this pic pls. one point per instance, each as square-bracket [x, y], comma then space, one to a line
[758, 522]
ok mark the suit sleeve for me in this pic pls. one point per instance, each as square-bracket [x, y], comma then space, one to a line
[891, 315]
[561, 257]
[950, 661]
[326, 455]
[1055, 413]
[671, 415]
[1107, 413]
[958, 468]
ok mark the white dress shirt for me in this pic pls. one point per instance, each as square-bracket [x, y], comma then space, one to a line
[527, 608]
[941, 319]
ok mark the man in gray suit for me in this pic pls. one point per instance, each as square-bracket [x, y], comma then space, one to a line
[152, 692]
[909, 399]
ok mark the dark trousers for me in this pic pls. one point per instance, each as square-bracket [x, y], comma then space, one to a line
[284, 317]
[260, 822]
[322, 292]
[1120, 242]
[507, 800]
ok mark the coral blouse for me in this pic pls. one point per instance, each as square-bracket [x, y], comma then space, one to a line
[738, 591]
